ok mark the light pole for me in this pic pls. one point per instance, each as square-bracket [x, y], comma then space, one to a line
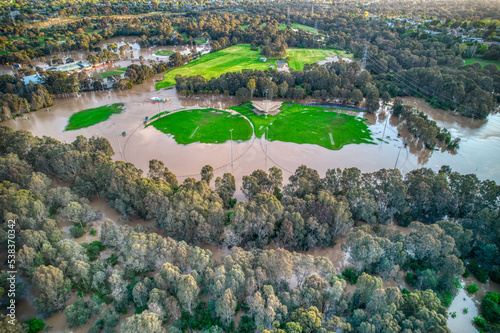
[395, 164]
[231, 131]
[118, 139]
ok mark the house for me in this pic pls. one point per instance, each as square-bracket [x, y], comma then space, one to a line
[263, 59]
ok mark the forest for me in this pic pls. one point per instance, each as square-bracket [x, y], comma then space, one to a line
[265, 280]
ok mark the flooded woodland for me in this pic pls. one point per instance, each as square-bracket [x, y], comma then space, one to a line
[479, 153]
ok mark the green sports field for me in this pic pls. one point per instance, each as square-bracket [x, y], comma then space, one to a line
[164, 53]
[204, 125]
[301, 27]
[296, 123]
[112, 72]
[300, 57]
[231, 59]
[483, 62]
[93, 116]
[239, 57]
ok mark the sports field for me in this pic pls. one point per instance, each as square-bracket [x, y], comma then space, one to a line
[483, 62]
[300, 57]
[164, 53]
[296, 123]
[231, 59]
[204, 125]
[301, 27]
[112, 72]
[93, 116]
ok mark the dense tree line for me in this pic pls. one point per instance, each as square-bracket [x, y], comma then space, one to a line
[422, 127]
[339, 81]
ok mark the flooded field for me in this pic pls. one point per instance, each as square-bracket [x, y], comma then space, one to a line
[463, 322]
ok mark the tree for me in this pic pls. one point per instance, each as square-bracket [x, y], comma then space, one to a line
[309, 319]
[146, 322]
[225, 187]
[77, 314]
[187, 292]
[51, 289]
[207, 173]
[225, 306]
[251, 85]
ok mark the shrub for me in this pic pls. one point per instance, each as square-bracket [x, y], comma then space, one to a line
[479, 273]
[93, 232]
[76, 231]
[351, 275]
[34, 325]
[472, 288]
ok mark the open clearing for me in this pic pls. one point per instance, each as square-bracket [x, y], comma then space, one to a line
[239, 57]
[164, 53]
[300, 57]
[483, 62]
[296, 123]
[91, 117]
[204, 125]
[301, 27]
[105, 75]
[231, 59]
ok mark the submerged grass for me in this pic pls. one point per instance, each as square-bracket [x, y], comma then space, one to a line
[204, 125]
[309, 124]
[93, 116]
[296, 123]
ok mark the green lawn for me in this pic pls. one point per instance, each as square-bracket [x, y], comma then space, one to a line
[483, 62]
[164, 53]
[204, 125]
[91, 117]
[309, 124]
[296, 123]
[112, 72]
[231, 59]
[301, 27]
[300, 57]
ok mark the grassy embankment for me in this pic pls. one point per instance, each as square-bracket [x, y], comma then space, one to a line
[231, 59]
[296, 123]
[483, 62]
[93, 116]
[105, 75]
[204, 125]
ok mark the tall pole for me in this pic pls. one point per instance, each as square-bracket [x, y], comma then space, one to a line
[363, 62]
[231, 131]
[267, 138]
[397, 157]
[118, 139]
[386, 120]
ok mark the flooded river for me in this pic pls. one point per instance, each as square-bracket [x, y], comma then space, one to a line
[479, 150]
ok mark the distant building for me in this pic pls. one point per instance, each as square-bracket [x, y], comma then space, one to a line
[263, 59]
[72, 67]
[35, 78]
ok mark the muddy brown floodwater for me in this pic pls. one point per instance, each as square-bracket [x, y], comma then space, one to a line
[479, 150]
